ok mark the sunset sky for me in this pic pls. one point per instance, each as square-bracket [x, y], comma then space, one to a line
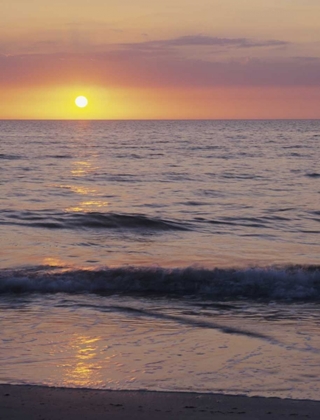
[157, 59]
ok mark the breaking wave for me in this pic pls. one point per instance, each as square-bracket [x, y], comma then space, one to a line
[290, 283]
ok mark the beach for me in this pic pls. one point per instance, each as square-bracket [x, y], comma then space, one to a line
[32, 402]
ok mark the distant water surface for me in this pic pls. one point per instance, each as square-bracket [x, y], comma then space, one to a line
[215, 193]
[117, 237]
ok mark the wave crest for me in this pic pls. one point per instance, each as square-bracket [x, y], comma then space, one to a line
[94, 220]
[291, 283]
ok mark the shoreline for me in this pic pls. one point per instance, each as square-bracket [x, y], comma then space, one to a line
[19, 402]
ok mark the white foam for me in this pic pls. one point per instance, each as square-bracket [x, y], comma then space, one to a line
[291, 283]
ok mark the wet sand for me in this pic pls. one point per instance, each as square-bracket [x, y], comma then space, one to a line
[42, 403]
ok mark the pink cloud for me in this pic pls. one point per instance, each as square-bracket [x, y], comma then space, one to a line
[159, 63]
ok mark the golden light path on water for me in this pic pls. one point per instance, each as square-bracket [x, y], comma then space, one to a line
[93, 202]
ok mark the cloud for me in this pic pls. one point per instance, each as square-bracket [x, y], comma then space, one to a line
[130, 70]
[76, 40]
[307, 59]
[159, 64]
[203, 41]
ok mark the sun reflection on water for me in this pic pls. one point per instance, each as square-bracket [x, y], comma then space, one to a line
[88, 206]
[78, 189]
[82, 168]
[82, 190]
[53, 262]
[86, 369]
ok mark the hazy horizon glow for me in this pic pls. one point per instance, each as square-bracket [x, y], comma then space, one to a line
[174, 60]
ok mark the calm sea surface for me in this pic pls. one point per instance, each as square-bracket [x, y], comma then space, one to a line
[163, 255]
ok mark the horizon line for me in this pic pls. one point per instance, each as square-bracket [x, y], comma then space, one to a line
[160, 119]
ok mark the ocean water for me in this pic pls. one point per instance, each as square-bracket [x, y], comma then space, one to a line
[161, 255]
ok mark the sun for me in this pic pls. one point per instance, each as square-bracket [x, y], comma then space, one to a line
[81, 101]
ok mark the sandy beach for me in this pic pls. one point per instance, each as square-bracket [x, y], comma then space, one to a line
[36, 402]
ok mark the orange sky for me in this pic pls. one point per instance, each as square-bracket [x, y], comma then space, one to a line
[152, 59]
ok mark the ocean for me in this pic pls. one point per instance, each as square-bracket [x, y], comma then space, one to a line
[161, 255]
